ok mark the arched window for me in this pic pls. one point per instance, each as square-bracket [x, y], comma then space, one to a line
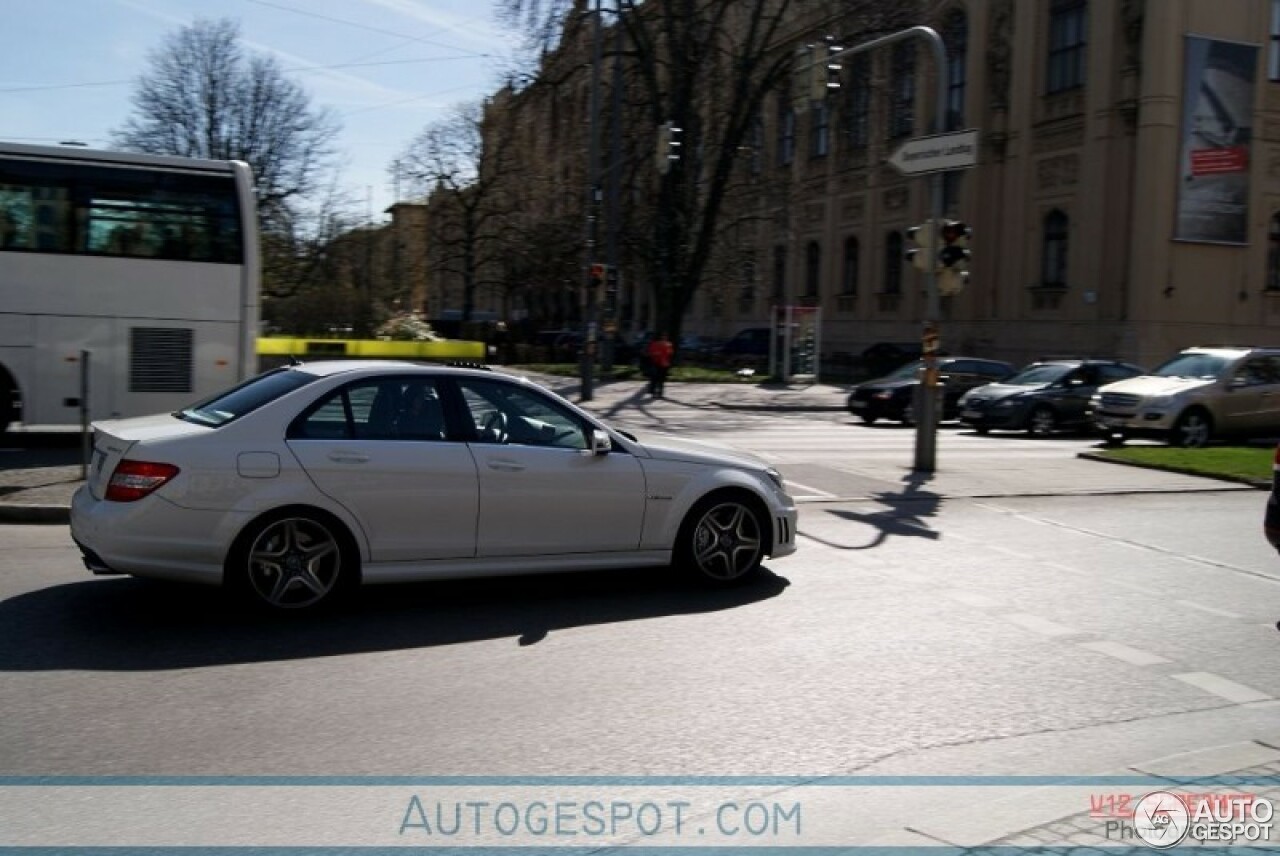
[812, 269]
[1053, 261]
[1273, 254]
[849, 276]
[893, 263]
[902, 90]
[955, 34]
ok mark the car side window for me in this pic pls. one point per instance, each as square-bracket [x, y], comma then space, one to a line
[513, 415]
[383, 409]
[1257, 371]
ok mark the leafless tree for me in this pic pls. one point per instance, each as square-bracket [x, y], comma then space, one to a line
[710, 68]
[204, 96]
[468, 199]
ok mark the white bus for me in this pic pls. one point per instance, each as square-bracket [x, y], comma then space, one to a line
[148, 263]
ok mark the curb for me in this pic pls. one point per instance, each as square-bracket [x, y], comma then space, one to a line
[15, 512]
[1259, 484]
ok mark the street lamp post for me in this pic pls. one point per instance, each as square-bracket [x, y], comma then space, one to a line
[588, 357]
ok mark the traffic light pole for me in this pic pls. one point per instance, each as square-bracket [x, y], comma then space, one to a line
[587, 363]
[926, 454]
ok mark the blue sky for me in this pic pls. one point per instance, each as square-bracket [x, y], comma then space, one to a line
[386, 68]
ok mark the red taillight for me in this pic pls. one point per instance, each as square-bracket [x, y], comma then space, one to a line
[132, 480]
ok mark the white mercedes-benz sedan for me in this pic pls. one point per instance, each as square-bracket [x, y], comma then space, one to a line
[307, 480]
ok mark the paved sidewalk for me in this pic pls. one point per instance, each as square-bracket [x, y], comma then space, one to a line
[40, 492]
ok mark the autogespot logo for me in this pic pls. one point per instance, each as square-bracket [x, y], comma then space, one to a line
[1161, 819]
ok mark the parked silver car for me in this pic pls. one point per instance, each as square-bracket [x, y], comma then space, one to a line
[1200, 394]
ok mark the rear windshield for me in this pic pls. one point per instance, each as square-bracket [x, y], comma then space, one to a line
[246, 397]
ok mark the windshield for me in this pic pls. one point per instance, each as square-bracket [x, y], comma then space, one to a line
[1038, 375]
[247, 397]
[1205, 366]
[910, 370]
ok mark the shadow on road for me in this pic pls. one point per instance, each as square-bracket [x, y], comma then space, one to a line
[906, 514]
[139, 625]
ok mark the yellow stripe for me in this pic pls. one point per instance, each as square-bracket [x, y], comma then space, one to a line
[450, 349]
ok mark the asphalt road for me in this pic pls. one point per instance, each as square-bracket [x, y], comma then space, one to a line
[911, 635]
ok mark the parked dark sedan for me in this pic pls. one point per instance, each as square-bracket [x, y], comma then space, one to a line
[1043, 398]
[892, 396]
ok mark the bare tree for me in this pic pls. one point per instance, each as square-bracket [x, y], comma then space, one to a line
[203, 96]
[710, 68]
[468, 202]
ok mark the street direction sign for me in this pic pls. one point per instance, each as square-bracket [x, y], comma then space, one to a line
[937, 153]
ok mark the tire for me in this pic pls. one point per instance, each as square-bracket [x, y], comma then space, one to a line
[722, 541]
[7, 414]
[298, 560]
[982, 430]
[868, 418]
[1042, 422]
[908, 416]
[1114, 438]
[1193, 430]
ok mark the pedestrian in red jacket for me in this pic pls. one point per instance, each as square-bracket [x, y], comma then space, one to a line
[659, 353]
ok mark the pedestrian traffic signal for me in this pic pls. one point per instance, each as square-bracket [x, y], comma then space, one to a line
[668, 151]
[597, 275]
[923, 256]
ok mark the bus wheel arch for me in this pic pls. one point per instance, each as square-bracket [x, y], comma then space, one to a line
[10, 399]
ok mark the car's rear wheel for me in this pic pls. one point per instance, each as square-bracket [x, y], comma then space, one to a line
[869, 418]
[722, 540]
[1193, 430]
[908, 415]
[1042, 422]
[293, 561]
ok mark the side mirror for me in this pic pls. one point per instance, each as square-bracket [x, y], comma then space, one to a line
[600, 442]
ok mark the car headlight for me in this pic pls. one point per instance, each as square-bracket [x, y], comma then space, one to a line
[883, 396]
[1011, 401]
[1159, 401]
[775, 477]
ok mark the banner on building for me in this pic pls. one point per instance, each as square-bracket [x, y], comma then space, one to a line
[1217, 132]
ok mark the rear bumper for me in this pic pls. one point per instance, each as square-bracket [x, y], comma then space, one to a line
[152, 538]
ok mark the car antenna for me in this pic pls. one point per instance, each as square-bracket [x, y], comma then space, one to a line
[294, 361]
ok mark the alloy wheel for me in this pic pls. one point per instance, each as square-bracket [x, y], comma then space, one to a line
[294, 563]
[727, 542]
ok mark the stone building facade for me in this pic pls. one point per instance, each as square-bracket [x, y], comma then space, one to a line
[1126, 200]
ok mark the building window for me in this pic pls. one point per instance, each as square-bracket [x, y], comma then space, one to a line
[893, 263]
[955, 33]
[820, 130]
[786, 132]
[902, 90]
[756, 141]
[951, 182]
[1273, 254]
[858, 105]
[1067, 38]
[1053, 265]
[849, 276]
[747, 291]
[1273, 60]
[779, 276]
[812, 269]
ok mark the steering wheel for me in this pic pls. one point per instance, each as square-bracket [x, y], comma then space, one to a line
[495, 426]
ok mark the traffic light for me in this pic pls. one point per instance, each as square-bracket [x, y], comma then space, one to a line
[923, 256]
[953, 257]
[668, 150]
[598, 272]
[824, 70]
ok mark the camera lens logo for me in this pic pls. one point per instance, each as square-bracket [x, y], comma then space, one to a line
[1161, 820]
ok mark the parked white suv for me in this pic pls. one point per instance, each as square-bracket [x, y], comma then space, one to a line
[1200, 394]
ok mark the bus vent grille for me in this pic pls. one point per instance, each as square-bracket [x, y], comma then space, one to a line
[160, 359]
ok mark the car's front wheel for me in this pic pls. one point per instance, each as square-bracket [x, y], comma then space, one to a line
[722, 540]
[1042, 422]
[296, 560]
[1193, 430]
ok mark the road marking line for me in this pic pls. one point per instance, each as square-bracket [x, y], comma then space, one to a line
[970, 598]
[1043, 626]
[1223, 688]
[1134, 656]
[1209, 609]
[812, 491]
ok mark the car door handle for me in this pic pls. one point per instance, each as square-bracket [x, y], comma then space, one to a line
[348, 458]
[505, 465]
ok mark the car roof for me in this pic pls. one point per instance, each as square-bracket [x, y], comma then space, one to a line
[327, 368]
[1229, 350]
